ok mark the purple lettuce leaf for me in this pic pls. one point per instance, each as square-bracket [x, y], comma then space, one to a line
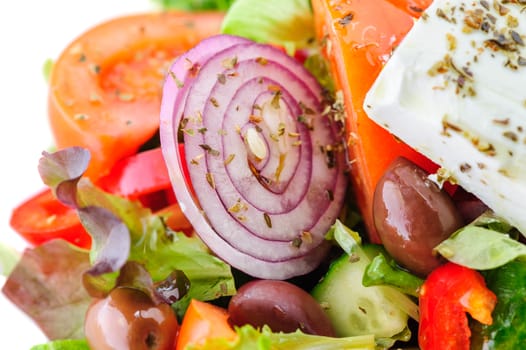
[47, 285]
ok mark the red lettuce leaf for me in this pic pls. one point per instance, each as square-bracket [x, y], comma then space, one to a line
[47, 285]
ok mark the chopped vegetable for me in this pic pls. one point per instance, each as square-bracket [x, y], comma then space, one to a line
[264, 339]
[47, 285]
[454, 79]
[195, 5]
[142, 176]
[358, 41]
[481, 248]
[105, 88]
[8, 259]
[384, 271]
[355, 309]
[508, 330]
[203, 321]
[265, 162]
[284, 23]
[448, 293]
[42, 217]
[63, 344]
[124, 231]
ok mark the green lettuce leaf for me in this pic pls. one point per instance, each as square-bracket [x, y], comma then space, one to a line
[383, 271]
[67, 344]
[194, 5]
[124, 230]
[250, 338]
[508, 330]
[289, 24]
[481, 247]
[8, 259]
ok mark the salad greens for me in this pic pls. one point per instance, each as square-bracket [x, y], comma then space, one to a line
[59, 280]
[355, 309]
[123, 230]
[509, 317]
[67, 344]
[484, 244]
[264, 339]
[383, 270]
[47, 285]
[55, 282]
[292, 26]
[195, 5]
[8, 259]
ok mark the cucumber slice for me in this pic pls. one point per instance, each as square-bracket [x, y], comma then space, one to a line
[353, 308]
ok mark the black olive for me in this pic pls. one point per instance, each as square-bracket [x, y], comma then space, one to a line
[282, 306]
[128, 319]
[413, 215]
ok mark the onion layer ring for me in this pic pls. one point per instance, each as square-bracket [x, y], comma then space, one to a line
[265, 160]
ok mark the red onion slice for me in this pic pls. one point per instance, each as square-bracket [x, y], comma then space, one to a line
[264, 160]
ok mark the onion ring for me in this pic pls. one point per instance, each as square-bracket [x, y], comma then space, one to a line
[265, 161]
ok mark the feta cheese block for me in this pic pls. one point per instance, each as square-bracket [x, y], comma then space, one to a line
[455, 90]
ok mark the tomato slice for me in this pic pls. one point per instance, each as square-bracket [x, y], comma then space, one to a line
[360, 37]
[42, 217]
[105, 88]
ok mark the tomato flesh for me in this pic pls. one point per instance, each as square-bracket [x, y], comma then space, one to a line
[105, 87]
[42, 217]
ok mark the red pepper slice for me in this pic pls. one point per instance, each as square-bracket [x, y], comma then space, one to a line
[447, 294]
[142, 176]
[42, 217]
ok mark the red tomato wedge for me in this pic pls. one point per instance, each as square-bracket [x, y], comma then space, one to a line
[105, 88]
[42, 217]
[359, 37]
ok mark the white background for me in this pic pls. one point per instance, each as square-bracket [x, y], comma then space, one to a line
[32, 31]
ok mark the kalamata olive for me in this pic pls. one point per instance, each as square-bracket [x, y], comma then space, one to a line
[469, 206]
[282, 306]
[128, 319]
[412, 215]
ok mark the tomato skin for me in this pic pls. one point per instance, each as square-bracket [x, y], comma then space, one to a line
[42, 217]
[360, 37]
[142, 176]
[203, 321]
[105, 88]
[447, 294]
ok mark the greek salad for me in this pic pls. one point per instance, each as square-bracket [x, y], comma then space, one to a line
[300, 174]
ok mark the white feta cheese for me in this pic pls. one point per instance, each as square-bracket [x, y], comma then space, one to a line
[455, 90]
